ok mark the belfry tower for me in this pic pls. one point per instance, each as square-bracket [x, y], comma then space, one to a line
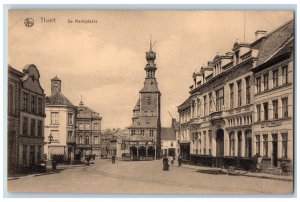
[146, 125]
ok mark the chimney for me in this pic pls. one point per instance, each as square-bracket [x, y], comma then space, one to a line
[260, 33]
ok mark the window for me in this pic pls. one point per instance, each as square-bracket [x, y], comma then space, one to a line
[258, 84]
[11, 103]
[275, 109]
[70, 134]
[70, 118]
[149, 100]
[239, 84]
[220, 99]
[87, 126]
[87, 140]
[40, 105]
[32, 127]
[210, 103]
[284, 74]
[248, 90]
[25, 126]
[284, 145]
[142, 132]
[96, 140]
[96, 126]
[151, 133]
[205, 105]
[257, 144]
[55, 135]
[24, 155]
[132, 132]
[231, 86]
[265, 144]
[81, 126]
[266, 81]
[285, 113]
[25, 101]
[40, 129]
[275, 78]
[33, 105]
[266, 111]
[54, 118]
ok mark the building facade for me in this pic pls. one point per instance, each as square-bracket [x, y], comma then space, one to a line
[60, 125]
[145, 130]
[88, 131]
[169, 143]
[26, 114]
[273, 103]
[217, 120]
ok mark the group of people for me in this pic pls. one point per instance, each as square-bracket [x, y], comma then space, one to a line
[166, 162]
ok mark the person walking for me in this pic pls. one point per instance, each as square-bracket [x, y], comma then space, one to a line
[179, 160]
[88, 160]
[53, 165]
[173, 159]
[113, 159]
[165, 163]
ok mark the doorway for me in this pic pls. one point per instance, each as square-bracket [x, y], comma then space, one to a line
[275, 150]
[220, 142]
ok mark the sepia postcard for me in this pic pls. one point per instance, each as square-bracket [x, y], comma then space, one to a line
[150, 101]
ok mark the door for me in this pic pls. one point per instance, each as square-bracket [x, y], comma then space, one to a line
[275, 150]
[220, 142]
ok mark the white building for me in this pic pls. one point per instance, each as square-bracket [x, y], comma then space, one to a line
[59, 125]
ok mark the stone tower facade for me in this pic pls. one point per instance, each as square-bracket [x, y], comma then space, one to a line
[144, 133]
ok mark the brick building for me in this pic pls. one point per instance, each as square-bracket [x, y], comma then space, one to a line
[26, 113]
[219, 123]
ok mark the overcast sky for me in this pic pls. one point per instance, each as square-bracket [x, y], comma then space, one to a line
[105, 61]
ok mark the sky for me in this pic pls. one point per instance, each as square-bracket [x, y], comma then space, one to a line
[104, 61]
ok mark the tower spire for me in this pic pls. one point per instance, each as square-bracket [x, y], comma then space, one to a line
[81, 103]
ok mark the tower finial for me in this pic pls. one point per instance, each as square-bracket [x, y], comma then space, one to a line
[81, 103]
[150, 42]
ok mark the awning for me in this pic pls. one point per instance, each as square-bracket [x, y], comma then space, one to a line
[58, 150]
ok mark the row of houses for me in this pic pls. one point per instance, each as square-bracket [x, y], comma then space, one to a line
[241, 104]
[44, 127]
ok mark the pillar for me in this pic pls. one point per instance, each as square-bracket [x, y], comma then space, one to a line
[213, 145]
[226, 143]
[236, 142]
[243, 144]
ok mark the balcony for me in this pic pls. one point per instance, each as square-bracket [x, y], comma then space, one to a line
[216, 115]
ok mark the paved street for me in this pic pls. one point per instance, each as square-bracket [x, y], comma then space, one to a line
[144, 177]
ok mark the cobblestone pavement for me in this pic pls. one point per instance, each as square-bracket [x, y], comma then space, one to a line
[144, 177]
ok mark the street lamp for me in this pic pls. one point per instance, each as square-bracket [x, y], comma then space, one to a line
[50, 138]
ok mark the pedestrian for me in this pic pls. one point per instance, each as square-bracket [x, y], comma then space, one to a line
[53, 165]
[165, 163]
[179, 160]
[113, 159]
[258, 165]
[88, 160]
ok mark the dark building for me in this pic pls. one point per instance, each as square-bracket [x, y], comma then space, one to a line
[26, 113]
[144, 133]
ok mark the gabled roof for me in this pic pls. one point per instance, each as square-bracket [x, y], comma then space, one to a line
[150, 86]
[58, 98]
[137, 105]
[186, 102]
[274, 41]
[87, 112]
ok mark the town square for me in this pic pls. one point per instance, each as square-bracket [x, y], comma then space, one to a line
[150, 102]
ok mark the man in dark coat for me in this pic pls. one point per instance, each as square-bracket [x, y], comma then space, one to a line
[165, 163]
[179, 160]
[113, 159]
